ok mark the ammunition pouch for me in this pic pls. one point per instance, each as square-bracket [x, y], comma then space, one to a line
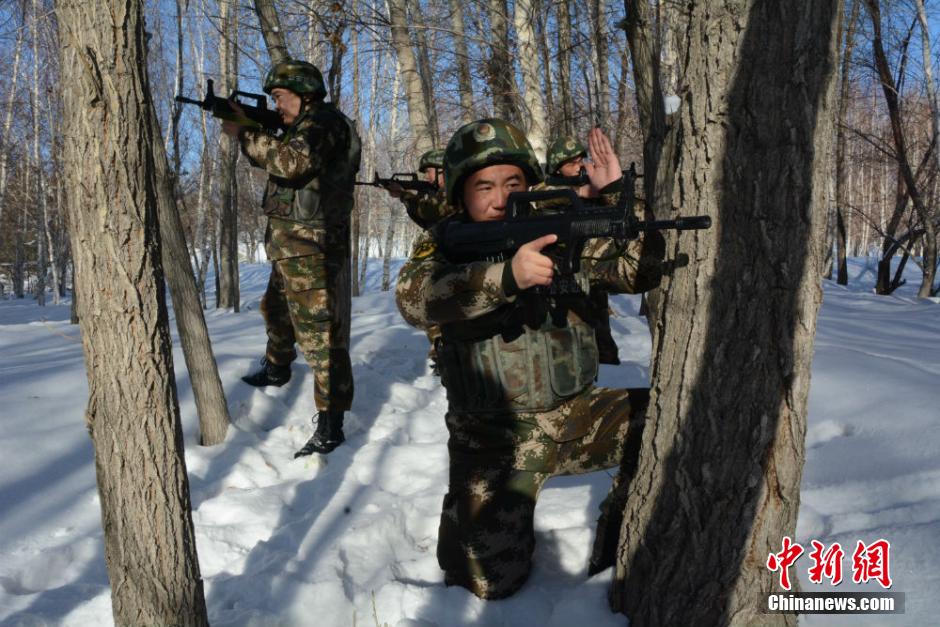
[532, 372]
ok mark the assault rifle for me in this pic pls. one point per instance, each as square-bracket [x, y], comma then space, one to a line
[573, 221]
[407, 180]
[252, 116]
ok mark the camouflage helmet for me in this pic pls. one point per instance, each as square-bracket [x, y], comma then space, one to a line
[483, 143]
[564, 149]
[298, 76]
[431, 159]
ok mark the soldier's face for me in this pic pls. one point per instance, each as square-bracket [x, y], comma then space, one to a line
[486, 190]
[434, 175]
[571, 167]
[286, 103]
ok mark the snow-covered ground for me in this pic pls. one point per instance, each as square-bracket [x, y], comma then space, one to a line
[350, 539]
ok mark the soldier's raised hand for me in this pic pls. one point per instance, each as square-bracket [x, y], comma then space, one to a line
[604, 167]
[530, 267]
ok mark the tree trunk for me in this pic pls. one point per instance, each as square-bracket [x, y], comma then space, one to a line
[890, 90]
[194, 336]
[599, 50]
[354, 218]
[387, 253]
[842, 271]
[563, 18]
[536, 119]
[499, 66]
[426, 69]
[133, 412]
[464, 83]
[227, 296]
[418, 114]
[39, 199]
[271, 31]
[659, 139]
[5, 145]
[718, 479]
[930, 239]
[337, 48]
[545, 56]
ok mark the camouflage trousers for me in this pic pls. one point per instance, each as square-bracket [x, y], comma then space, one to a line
[300, 306]
[498, 465]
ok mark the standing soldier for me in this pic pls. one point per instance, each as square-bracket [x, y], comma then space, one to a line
[566, 158]
[426, 210]
[518, 365]
[311, 168]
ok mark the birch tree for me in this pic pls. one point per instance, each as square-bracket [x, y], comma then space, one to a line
[418, 114]
[227, 293]
[536, 118]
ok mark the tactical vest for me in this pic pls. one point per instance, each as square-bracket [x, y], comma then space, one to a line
[322, 201]
[527, 356]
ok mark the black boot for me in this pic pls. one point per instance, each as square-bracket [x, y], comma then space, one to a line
[268, 374]
[328, 436]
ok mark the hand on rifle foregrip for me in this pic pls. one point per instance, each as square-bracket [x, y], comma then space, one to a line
[229, 127]
[530, 267]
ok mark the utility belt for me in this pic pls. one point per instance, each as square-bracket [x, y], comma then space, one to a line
[531, 370]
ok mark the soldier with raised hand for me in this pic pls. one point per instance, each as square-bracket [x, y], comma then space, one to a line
[518, 365]
[311, 169]
[566, 157]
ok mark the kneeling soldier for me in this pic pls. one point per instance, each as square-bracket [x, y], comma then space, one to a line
[518, 364]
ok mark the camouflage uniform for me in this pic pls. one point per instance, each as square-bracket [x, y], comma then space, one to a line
[426, 210]
[308, 199]
[519, 370]
[561, 150]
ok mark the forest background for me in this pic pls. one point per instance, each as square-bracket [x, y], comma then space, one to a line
[551, 67]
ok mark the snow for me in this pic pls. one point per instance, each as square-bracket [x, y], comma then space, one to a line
[350, 538]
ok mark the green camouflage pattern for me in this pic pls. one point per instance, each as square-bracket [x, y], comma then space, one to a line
[298, 76]
[486, 142]
[561, 150]
[308, 199]
[311, 173]
[431, 159]
[500, 459]
[431, 290]
[426, 210]
[299, 306]
[498, 465]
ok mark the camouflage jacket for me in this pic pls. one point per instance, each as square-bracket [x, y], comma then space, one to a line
[311, 169]
[431, 290]
[509, 351]
[426, 210]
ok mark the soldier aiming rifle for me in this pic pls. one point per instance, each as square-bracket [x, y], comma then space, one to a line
[311, 169]
[519, 364]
